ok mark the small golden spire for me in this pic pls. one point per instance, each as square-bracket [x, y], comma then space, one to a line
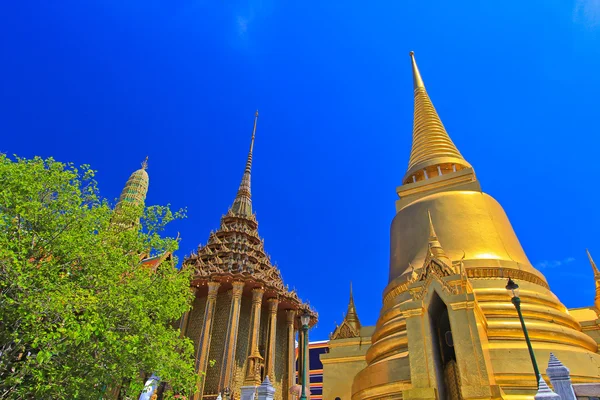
[432, 234]
[243, 200]
[351, 315]
[435, 248]
[596, 280]
[145, 163]
[431, 143]
[593, 264]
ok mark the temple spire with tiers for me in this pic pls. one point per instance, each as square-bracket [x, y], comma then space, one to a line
[133, 194]
[243, 200]
[350, 326]
[136, 188]
[351, 315]
[233, 271]
[433, 152]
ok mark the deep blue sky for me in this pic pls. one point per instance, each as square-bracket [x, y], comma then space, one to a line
[516, 84]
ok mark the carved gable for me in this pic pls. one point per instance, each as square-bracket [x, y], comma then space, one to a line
[344, 331]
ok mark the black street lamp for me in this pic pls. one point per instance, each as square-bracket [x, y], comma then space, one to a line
[513, 291]
[304, 320]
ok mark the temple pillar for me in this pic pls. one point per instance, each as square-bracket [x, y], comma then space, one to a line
[252, 374]
[300, 356]
[183, 324]
[204, 342]
[273, 303]
[306, 365]
[227, 364]
[290, 317]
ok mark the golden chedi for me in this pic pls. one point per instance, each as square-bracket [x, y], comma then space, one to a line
[447, 328]
[243, 320]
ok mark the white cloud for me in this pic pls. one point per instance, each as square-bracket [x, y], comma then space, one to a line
[587, 12]
[242, 23]
[546, 264]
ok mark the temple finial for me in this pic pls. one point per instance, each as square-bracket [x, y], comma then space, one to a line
[417, 80]
[593, 264]
[596, 280]
[433, 153]
[351, 315]
[432, 234]
[145, 163]
[435, 248]
[243, 201]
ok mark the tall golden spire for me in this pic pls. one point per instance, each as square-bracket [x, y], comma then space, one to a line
[431, 144]
[351, 315]
[243, 202]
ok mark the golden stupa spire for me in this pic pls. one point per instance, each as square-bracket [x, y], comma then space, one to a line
[351, 315]
[243, 201]
[431, 145]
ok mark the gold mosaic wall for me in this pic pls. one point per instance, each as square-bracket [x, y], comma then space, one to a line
[220, 324]
[243, 342]
[194, 328]
[264, 330]
[217, 343]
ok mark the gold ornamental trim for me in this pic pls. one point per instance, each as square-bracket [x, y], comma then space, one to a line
[392, 294]
[505, 273]
[476, 273]
[342, 359]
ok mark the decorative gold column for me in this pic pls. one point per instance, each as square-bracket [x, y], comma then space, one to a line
[254, 357]
[231, 336]
[290, 317]
[204, 342]
[183, 324]
[270, 364]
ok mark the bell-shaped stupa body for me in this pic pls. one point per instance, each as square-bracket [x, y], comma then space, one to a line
[451, 332]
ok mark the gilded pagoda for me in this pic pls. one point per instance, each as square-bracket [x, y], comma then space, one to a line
[447, 328]
[244, 319]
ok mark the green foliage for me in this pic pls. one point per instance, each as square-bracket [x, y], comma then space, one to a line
[80, 316]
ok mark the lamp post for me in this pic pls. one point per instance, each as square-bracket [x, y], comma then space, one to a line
[304, 320]
[513, 291]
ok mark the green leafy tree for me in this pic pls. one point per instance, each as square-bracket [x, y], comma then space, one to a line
[80, 315]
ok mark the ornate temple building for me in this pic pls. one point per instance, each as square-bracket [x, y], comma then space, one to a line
[243, 320]
[447, 328]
